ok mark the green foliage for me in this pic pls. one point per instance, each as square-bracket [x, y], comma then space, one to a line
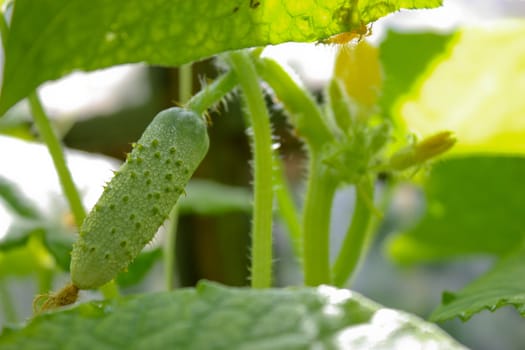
[470, 88]
[138, 269]
[502, 285]
[16, 201]
[402, 72]
[62, 35]
[215, 317]
[473, 202]
[474, 205]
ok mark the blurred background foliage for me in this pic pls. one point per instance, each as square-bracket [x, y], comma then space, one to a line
[467, 80]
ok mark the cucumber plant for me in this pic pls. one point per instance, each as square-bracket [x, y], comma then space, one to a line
[349, 140]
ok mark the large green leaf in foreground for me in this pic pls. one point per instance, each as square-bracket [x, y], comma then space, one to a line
[503, 285]
[474, 205]
[50, 38]
[215, 317]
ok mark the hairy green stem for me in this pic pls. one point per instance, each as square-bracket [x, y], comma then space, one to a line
[55, 150]
[212, 93]
[287, 209]
[261, 269]
[305, 115]
[356, 236]
[316, 223]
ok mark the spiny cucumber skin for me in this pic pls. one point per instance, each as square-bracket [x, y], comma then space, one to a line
[139, 197]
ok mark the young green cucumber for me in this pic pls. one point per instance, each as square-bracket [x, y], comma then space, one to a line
[139, 197]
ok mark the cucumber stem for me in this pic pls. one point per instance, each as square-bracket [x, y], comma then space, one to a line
[316, 222]
[357, 235]
[55, 150]
[244, 69]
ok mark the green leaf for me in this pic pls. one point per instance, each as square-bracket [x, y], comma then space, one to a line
[216, 317]
[30, 259]
[19, 233]
[50, 38]
[138, 269]
[401, 73]
[59, 243]
[474, 205]
[502, 285]
[56, 239]
[17, 201]
[474, 89]
[211, 198]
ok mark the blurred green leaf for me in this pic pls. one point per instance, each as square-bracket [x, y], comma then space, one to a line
[26, 260]
[474, 205]
[50, 38]
[139, 268]
[19, 233]
[59, 243]
[216, 317]
[401, 71]
[19, 203]
[211, 198]
[502, 285]
[475, 89]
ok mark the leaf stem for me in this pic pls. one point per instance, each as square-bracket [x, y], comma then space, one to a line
[357, 234]
[185, 82]
[169, 248]
[316, 222]
[261, 269]
[55, 150]
[212, 93]
[110, 290]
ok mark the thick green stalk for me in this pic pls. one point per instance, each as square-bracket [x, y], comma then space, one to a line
[356, 238]
[55, 150]
[261, 269]
[316, 222]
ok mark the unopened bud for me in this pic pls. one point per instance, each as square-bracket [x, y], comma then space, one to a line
[428, 148]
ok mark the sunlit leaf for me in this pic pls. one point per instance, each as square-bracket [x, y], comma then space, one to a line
[475, 90]
[400, 70]
[50, 38]
[215, 317]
